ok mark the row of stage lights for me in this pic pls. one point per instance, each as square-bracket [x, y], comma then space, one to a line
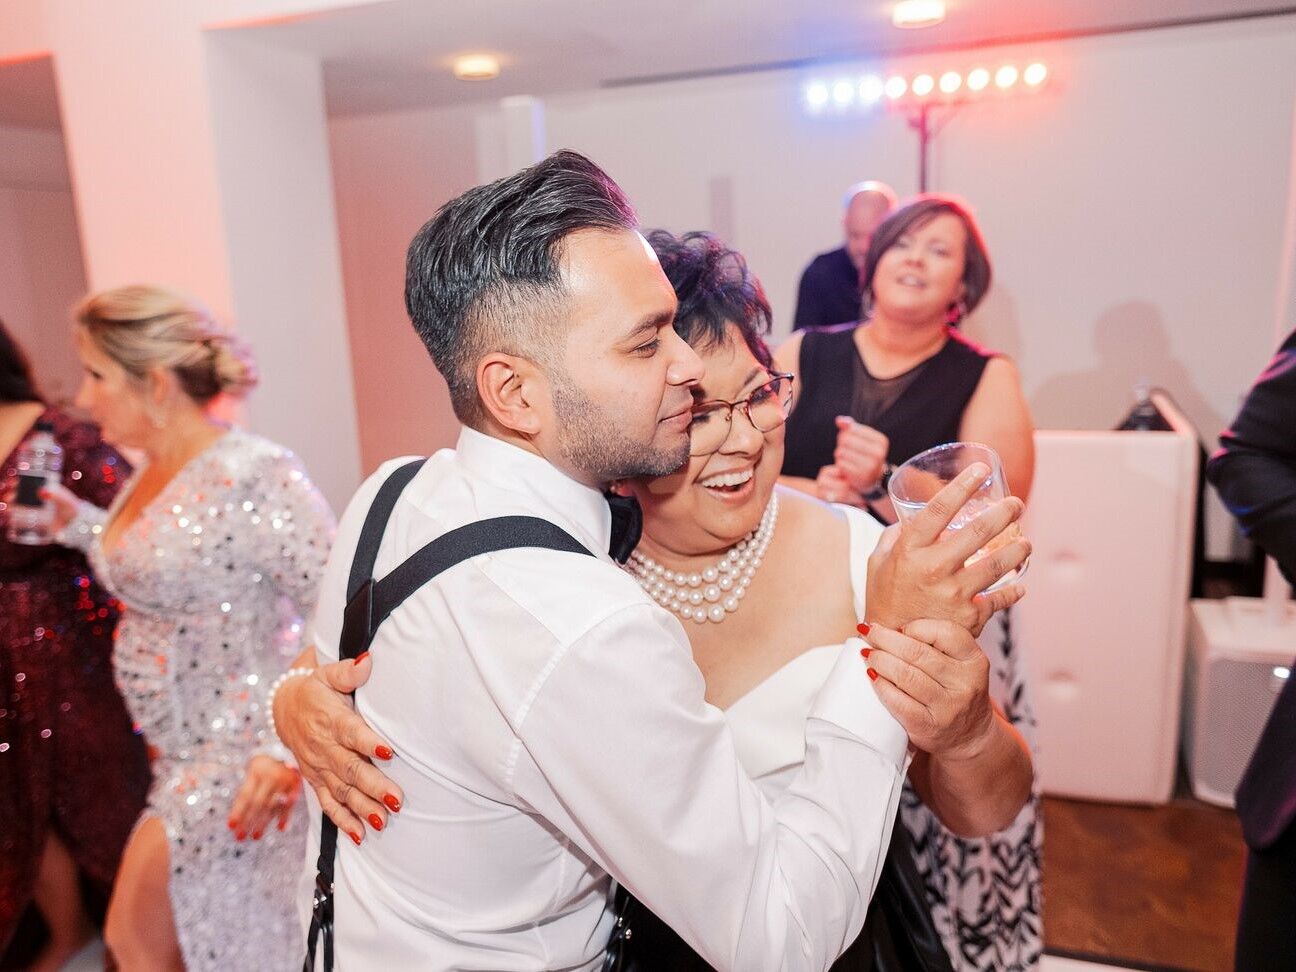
[871, 89]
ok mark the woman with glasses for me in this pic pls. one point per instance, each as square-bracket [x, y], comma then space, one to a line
[742, 564]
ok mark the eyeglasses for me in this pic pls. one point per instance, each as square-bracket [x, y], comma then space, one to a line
[766, 409]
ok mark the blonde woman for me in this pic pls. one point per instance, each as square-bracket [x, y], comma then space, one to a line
[215, 547]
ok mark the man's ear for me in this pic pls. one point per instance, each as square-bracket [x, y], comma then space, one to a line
[514, 391]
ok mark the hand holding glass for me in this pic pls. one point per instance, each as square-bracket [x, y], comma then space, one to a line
[915, 483]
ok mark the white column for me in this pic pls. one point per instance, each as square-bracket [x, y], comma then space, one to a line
[524, 131]
[272, 155]
[203, 164]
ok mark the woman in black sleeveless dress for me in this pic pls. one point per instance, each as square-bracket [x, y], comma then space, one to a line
[871, 395]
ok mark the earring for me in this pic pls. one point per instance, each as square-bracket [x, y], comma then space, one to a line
[957, 313]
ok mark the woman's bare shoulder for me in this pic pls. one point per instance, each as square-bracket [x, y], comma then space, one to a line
[811, 516]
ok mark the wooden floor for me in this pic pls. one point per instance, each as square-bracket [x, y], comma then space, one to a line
[1154, 886]
[1145, 887]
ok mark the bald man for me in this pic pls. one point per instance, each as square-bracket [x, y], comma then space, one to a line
[829, 291]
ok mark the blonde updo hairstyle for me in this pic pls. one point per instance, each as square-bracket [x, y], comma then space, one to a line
[143, 327]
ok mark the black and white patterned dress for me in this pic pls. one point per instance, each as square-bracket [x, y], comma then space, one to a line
[985, 893]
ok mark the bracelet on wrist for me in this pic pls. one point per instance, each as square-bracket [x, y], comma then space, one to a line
[275, 686]
[879, 489]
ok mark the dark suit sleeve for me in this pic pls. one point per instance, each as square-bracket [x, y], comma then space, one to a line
[808, 311]
[1255, 468]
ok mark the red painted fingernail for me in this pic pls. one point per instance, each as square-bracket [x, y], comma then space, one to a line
[375, 821]
[872, 674]
[864, 652]
[257, 835]
[392, 803]
[382, 752]
[355, 839]
[232, 823]
[361, 657]
[863, 627]
[283, 824]
[240, 835]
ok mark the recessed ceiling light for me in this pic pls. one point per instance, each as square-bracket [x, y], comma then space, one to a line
[476, 67]
[918, 13]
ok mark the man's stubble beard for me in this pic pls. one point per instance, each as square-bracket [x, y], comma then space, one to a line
[593, 439]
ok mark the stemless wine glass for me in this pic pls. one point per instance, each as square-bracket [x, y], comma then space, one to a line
[916, 482]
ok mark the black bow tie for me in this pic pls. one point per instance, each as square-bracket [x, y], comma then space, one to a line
[627, 526]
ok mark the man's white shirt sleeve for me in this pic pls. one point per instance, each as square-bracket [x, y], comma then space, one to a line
[618, 750]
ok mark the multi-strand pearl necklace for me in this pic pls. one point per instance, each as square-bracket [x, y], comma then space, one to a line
[714, 593]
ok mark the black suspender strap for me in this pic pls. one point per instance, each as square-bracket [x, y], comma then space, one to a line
[370, 603]
[375, 524]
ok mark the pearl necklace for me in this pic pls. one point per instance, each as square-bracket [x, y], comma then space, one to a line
[714, 593]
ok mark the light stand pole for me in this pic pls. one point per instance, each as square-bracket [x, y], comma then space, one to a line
[920, 120]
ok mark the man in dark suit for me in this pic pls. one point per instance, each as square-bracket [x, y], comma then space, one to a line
[1255, 474]
[830, 286]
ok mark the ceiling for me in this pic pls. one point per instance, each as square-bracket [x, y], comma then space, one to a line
[397, 54]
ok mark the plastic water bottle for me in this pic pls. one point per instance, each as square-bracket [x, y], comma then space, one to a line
[40, 463]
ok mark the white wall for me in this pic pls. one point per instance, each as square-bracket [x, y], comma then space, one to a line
[391, 172]
[41, 275]
[1134, 209]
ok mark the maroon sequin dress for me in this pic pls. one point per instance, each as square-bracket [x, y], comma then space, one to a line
[69, 760]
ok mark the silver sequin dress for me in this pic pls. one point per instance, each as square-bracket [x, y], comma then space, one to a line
[216, 576]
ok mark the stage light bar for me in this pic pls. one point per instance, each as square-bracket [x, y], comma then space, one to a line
[843, 93]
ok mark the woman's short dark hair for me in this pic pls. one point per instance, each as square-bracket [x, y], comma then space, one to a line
[484, 274]
[714, 288]
[16, 381]
[916, 214]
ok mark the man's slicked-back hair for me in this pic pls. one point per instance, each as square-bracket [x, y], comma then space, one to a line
[714, 288]
[483, 274]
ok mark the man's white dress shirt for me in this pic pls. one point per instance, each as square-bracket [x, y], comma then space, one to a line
[550, 729]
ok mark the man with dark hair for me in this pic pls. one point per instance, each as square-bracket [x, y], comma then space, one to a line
[548, 720]
[1255, 473]
[829, 292]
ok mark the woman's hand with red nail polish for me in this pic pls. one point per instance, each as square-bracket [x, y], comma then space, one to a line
[315, 718]
[269, 791]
